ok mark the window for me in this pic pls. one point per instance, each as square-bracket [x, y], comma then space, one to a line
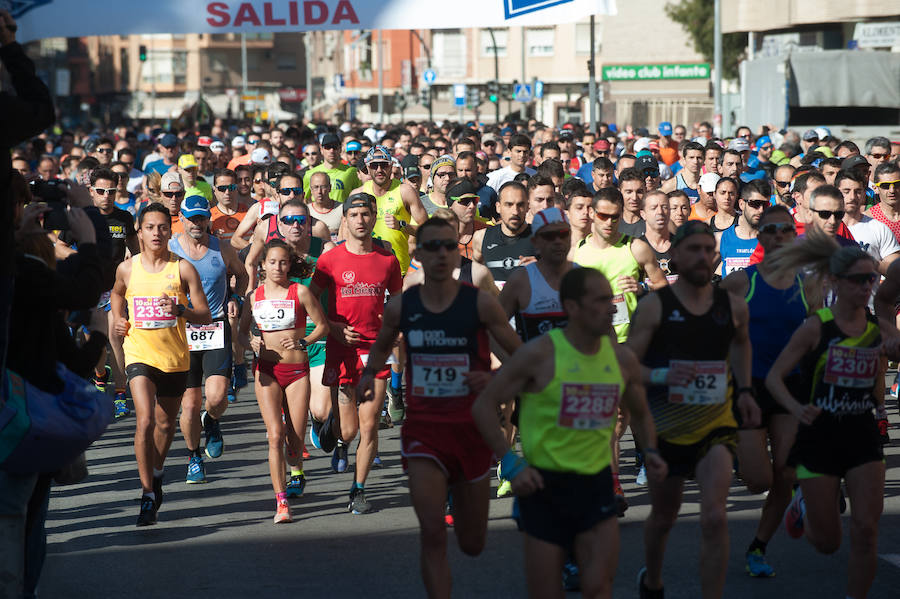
[539, 41]
[286, 62]
[449, 51]
[487, 46]
[583, 38]
[218, 63]
[165, 67]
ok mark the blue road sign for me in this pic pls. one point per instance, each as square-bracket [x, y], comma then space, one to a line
[522, 92]
[459, 94]
[429, 76]
[538, 89]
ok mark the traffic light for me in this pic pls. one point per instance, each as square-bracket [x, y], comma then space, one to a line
[493, 91]
[399, 100]
[506, 90]
[425, 97]
[473, 96]
[142, 53]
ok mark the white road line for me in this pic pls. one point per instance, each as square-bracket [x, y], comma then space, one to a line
[891, 558]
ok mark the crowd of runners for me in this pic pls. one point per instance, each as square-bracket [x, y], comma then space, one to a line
[516, 297]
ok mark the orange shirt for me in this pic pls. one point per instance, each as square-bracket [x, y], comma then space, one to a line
[224, 225]
[695, 216]
[239, 160]
[465, 249]
[669, 155]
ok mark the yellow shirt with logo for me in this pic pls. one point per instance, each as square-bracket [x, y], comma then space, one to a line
[392, 203]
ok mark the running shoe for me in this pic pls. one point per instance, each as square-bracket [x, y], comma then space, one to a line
[641, 479]
[883, 430]
[282, 513]
[327, 439]
[304, 452]
[376, 462]
[196, 471]
[793, 516]
[240, 376]
[231, 394]
[120, 406]
[621, 502]
[148, 511]
[102, 382]
[296, 485]
[643, 591]
[505, 489]
[571, 578]
[757, 566]
[396, 405]
[157, 490]
[385, 421]
[215, 444]
[339, 458]
[315, 428]
[358, 503]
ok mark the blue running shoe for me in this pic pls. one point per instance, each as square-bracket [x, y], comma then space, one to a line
[196, 472]
[231, 394]
[296, 485]
[641, 479]
[570, 576]
[376, 462]
[215, 444]
[315, 428]
[120, 407]
[757, 566]
[240, 376]
[339, 458]
[148, 511]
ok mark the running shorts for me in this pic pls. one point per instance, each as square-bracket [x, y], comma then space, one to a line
[343, 366]
[683, 459]
[284, 374]
[835, 445]
[168, 384]
[211, 362]
[768, 405]
[457, 448]
[316, 353]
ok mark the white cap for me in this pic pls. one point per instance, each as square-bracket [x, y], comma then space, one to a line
[217, 146]
[238, 142]
[708, 182]
[168, 178]
[260, 156]
[740, 144]
[701, 140]
[823, 132]
[548, 216]
[371, 134]
[642, 143]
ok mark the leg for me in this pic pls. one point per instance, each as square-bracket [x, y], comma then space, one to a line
[782, 430]
[320, 395]
[117, 364]
[822, 524]
[865, 485]
[621, 426]
[269, 397]
[665, 501]
[143, 393]
[753, 459]
[543, 563]
[714, 474]
[191, 402]
[15, 493]
[216, 395]
[346, 414]
[369, 415]
[471, 501]
[597, 552]
[295, 415]
[428, 492]
[166, 413]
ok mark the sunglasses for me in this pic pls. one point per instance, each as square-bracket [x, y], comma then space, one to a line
[173, 194]
[650, 173]
[604, 216]
[873, 155]
[257, 181]
[291, 190]
[766, 148]
[756, 204]
[310, 153]
[464, 200]
[433, 245]
[104, 192]
[293, 219]
[444, 174]
[223, 188]
[772, 228]
[554, 235]
[353, 152]
[105, 150]
[864, 278]
[380, 166]
[827, 214]
[889, 184]
[426, 166]
[782, 184]
[252, 142]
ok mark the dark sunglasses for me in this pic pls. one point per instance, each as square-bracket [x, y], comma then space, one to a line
[173, 194]
[782, 183]
[875, 155]
[826, 214]
[293, 219]
[772, 228]
[650, 173]
[889, 184]
[756, 204]
[464, 200]
[230, 187]
[603, 216]
[554, 235]
[257, 180]
[863, 278]
[433, 245]
[286, 191]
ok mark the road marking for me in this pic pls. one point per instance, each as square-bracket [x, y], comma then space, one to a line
[891, 558]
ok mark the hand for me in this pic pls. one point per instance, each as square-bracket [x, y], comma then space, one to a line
[7, 28]
[256, 344]
[365, 389]
[121, 327]
[751, 416]
[526, 260]
[345, 333]
[477, 380]
[657, 469]
[31, 218]
[168, 304]
[390, 221]
[288, 343]
[81, 226]
[233, 310]
[527, 482]
[680, 375]
[806, 414]
[628, 284]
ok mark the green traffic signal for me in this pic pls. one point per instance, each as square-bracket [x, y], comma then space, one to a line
[493, 98]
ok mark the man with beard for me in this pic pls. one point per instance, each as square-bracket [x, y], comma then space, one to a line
[504, 246]
[738, 242]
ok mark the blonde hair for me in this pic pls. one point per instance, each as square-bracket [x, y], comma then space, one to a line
[154, 182]
[447, 215]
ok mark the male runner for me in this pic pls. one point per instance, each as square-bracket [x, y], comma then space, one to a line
[688, 177]
[323, 208]
[210, 344]
[887, 186]
[679, 209]
[738, 242]
[541, 195]
[343, 177]
[519, 153]
[570, 382]
[443, 172]
[656, 214]
[445, 325]
[691, 337]
[631, 185]
[704, 208]
[503, 247]
[227, 213]
[356, 275]
[148, 301]
[578, 211]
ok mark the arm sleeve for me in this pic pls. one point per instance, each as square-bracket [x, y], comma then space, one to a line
[30, 111]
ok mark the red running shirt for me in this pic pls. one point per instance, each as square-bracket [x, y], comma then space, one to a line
[356, 285]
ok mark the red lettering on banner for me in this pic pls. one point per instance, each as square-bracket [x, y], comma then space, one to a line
[294, 13]
[309, 8]
[344, 11]
[246, 13]
[267, 15]
[218, 12]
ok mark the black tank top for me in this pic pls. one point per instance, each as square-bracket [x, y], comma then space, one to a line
[662, 258]
[501, 252]
[465, 271]
[712, 224]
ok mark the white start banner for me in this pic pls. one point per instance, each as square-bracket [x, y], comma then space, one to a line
[73, 18]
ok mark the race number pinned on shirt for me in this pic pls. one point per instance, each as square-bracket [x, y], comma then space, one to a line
[587, 406]
[274, 314]
[268, 207]
[621, 315]
[201, 337]
[441, 375]
[708, 387]
[853, 367]
[736, 263]
[149, 313]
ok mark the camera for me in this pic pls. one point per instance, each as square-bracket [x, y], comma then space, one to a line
[54, 193]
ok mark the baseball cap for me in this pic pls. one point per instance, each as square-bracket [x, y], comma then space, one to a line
[763, 140]
[641, 132]
[353, 146]
[217, 147]
[329, 139]
[195, 205]
[810, 135]
[778, 158]
[507, 131]
[187, 161]
[691, 227]
[462, 188]
[708, 182]
[168, 141]
[377, 154]
[566, 134]
[852, 161]
[654, 145]
[646, 162]
[204, 140]
[825, 151]
[239, 141]
[601, 145]
[665, 128]
[642, 143]
[359, 200]
[260, 156]
[168, 178]
[739, 144]
[411, 171]
[548, 216]
[823, 132]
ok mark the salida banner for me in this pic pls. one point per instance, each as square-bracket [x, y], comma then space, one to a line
[73, 18]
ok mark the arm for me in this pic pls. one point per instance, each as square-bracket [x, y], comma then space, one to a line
[511, 294]
[117, 298]
[483, 278]
[315, 312]
[497, 322]
[247, 227]
[886, 262]
[634, 400]
[739, 356]
[199, 313]
[252, 259]
[802, 342]
[644, 323]
[320, 230]
[414, 205]
[131, 242]
[381, 349]
[737, 283]
[644, 255]
[236, 268]
[885, 300]
[477, 242]
[412, 278]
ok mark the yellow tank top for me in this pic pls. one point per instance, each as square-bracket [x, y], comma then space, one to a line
[153, 338]
[392, 203]
[614, 262]
[567, 426]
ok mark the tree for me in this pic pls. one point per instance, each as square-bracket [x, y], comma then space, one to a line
[696, 18]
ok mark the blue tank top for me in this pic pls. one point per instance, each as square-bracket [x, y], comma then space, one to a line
[681, 185]
[213, 274]
[735, 251]
[774, 316]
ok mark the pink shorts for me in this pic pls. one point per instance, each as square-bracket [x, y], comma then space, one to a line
[456, 447]
[284, 374]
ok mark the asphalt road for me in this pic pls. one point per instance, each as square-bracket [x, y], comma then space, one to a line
[218, 539]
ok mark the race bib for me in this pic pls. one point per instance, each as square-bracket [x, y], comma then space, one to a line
[440, 375]
[201, 337]
[708, 387]
[268, 207]
[733, 264]
[149, 314]
[621, 315]
[587, 406]
[853, 367]
[274, 314]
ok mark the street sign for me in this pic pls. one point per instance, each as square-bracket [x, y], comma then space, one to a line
[338, 81]
[522, 92]
[538, 89]
[429, 76]
[459, 94]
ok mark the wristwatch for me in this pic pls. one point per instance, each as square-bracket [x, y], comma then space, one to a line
[179, 310]
[301, 344]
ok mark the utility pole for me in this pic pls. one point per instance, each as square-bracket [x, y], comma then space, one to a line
[496, 74]
[592, 84]
[428, 57]
[717, 59]
[380, 80]
[523, 109]
[244, 75]
[307, 43]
